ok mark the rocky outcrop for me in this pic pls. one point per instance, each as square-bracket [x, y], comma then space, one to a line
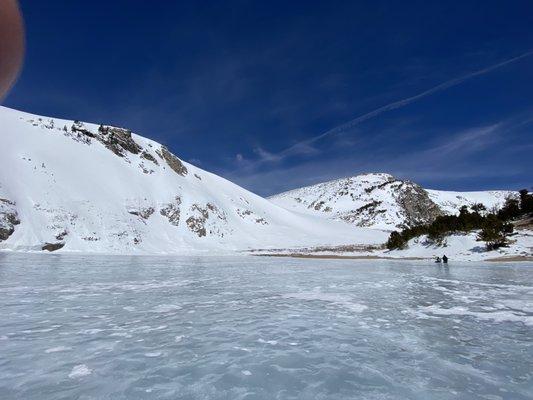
[79, 128]
[364, 215]
[52, 246]
[203, 220]
[368, 200]
[149, 157]
[417, 207]
[172, 211]
[173, 162]
[118, 140]
[251, 216]
[8, 218]
[141, 212]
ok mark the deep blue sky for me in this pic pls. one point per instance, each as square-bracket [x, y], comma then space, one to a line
[244, 88]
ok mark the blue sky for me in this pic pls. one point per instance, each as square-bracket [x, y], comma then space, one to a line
[263, 93]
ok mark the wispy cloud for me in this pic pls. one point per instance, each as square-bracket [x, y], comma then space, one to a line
[454, 156]
[470, 140]
[297, 147]
[265, 155]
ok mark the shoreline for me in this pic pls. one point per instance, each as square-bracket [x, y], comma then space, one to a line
[371, 257]
[510, 259]
[340, 257]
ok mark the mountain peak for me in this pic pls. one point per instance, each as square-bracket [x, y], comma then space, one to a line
[380, 200]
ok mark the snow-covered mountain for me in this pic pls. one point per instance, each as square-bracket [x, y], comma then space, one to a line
[381, 201]
[97, 188]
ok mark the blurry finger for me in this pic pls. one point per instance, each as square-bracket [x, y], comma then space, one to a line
[11, 44]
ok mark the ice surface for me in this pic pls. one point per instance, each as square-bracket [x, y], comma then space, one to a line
[122, 328]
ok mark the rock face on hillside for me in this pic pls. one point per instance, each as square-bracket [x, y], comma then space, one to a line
[379, 201]
[8, 218]
[416, 205]
[173, 162]
[120, 141]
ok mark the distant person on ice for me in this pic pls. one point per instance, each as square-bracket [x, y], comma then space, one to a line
[445, 259]
[437, 260]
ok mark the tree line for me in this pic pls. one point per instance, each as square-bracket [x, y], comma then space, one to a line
[494, 225]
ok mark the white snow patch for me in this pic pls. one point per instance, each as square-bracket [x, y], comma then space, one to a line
[80, 371]
[166, 308]
[153, 354]
[271, 342]
[496, 316]
[58, 349]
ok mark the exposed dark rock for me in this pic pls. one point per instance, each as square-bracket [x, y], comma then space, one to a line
[243, 213]
[389, 180]
[118, 140]
[173, 162]
[5, 233]
[78, 127]
[53, 246]
[144, 213]
[145, 170]
[61, 236]
[364, 215]
[172, 211]
[8, 218]
[149, 157]
[418, 208]
[317, 205]
[197, 225]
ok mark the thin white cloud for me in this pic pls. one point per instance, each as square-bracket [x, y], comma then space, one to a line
[471, 140]
[444, 160]
[296, 148]
[265, 155]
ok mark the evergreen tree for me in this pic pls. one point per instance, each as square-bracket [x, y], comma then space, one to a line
[510, 210]
[494, 233]
[478, 207]
[526, 201]
[493, 224]
[396, 241]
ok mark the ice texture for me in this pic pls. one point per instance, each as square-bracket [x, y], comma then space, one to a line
[97, 327]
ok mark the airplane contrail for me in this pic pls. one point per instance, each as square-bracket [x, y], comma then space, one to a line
[398, 104]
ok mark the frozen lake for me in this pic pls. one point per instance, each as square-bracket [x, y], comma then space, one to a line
[80, 327]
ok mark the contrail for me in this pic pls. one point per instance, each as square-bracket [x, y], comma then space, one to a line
[400, 103]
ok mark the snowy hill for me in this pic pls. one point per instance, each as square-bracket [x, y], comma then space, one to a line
[76, 186]
[380, 201]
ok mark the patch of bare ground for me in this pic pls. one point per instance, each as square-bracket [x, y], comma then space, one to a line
[337, 257]
[525, 223]
[351, 248]
[510, 259]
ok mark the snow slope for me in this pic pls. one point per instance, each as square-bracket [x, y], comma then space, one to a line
[465, 247]
[102, 189]
[381, 201]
